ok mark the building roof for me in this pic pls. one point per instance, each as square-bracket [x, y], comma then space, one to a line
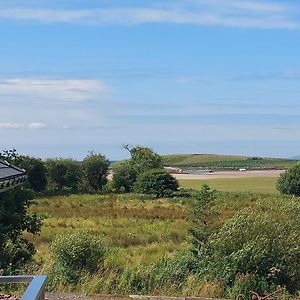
[10, 176]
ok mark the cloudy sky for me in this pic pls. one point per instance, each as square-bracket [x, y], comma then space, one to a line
[180, 76]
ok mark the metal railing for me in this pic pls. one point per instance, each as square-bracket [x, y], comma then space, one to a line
[35, 289]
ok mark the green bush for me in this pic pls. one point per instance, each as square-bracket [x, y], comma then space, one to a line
[63, 173]
[15, 250]
[289, 182]
[124, 176]
[156, 182]
[95, 169]
[36, 171]
[75, 254]
[260, 244]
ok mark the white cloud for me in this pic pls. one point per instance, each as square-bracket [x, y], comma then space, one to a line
[8, 125]
[229, 13]
[36, 125]
[52, 90]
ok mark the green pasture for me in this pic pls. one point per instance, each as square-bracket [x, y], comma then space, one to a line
[248, 184]
[213, 161]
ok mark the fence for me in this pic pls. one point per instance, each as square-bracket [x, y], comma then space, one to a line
[35, 289]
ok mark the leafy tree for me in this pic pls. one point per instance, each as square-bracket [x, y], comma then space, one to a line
[15, 250]
[36, 171]
[156, 182]
[124, 176]
[144, 159]
[63, 173]
[289, 182]
[126, 172]
[95, 169]
[34, 167]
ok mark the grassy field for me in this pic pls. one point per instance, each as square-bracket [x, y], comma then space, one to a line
[142, 235]
[142, 231]
[213, 161]
[248, 184]
[147, 239]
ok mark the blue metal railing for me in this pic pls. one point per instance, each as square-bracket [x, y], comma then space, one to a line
[35, 289]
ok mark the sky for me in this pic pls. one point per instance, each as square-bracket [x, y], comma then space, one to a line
[179, 76]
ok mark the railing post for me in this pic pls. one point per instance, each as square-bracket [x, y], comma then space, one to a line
[35, 289]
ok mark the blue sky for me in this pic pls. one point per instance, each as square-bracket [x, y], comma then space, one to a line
[180, 76]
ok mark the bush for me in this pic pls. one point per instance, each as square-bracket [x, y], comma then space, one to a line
[124, 176]
[95, 168]
[63, 173]
[15, 250]
[260, 245]
[289, 182]
[74, 254]
[36, 171]
[156, 182]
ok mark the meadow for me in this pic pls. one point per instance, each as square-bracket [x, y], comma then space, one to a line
[148, 238]
[247, 184]
[214, 161]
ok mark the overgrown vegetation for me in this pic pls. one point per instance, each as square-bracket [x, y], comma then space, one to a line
[184, 242]
[289, 182]
[15, 250]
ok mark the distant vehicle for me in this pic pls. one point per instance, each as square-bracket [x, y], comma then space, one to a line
[242, 169]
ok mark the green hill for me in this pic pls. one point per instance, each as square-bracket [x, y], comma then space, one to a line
[215, 161]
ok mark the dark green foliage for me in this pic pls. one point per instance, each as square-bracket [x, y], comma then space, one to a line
[15, 251]
[126, 172]
[63, 173]
[124, 176]
[289, 182]
[256, 249]
[34, 167]
[36, 171]
[144, 159]
[95, 169]
[156, 182]
[74, 254]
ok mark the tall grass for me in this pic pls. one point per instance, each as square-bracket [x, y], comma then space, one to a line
[147, 240]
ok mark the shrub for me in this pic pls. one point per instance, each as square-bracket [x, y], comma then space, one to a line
[156, 182]
[124, 176]
[15, 250]
[289, 182]
[74, 254]
[144, 159]
[260, 244]
[63, 173]
[36, 171]
[95, 168]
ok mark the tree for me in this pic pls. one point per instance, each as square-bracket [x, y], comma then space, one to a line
[289, 182]
[36, 171]
[34, 167]
[124, 176]
[15, 250]
[95, 168]
[156, 182]
[144, 159]
[63, 173]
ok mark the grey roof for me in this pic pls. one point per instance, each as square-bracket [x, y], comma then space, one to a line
[10, 176]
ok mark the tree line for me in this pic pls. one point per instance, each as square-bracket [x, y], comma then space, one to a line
[143, 172]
